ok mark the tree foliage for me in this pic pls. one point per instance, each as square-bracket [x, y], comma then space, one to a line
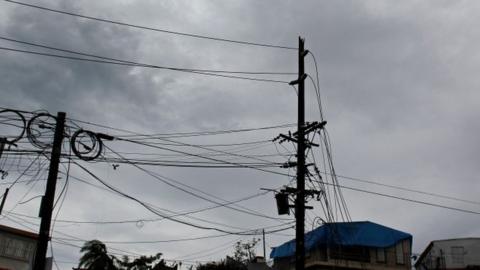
[244, 252]
[141, 263]
[95, 257]
[228, 263]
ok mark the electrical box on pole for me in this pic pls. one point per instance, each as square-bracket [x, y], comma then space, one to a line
[282, 203]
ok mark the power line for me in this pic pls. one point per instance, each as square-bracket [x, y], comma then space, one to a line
[62, 233]
[157, 219]
[170, 162]
[185, 134]
[406, 199]
[406, 189]
[263, 128]
[174, 214]
[156, 212]
[322, 172]
[151, 28]
[168, 182]
[215, 150]
[213, 162]
[220, 248]
[178, 155]
[204, 157]
[156, 241]
[142, 64]
[24, 171]
[135, 65]
[199, 133]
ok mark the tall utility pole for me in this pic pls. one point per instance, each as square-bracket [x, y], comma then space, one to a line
[264, 249]
[46, 207]
[300, 198]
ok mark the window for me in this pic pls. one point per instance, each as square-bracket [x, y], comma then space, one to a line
[399, 253]
[381, 255]
[457, 255]
[15, 248]
[351, 253]
[10, 248]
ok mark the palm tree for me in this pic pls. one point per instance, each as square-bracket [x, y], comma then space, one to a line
[95, 256]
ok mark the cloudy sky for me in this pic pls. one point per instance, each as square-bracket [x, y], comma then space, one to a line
[397, 82]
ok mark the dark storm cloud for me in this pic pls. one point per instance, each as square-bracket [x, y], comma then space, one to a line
[75, 86]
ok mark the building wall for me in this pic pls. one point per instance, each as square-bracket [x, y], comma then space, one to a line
[16, 252]
[452, 254]
[322, 259]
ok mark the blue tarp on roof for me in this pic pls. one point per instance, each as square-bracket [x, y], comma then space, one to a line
[362, 233]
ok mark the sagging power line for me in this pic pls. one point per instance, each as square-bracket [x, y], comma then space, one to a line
[152, 28]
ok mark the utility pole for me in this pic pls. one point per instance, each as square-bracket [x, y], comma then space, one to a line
[3, 200]
[264, 249]
[2, 146]
[300, 198]
[46, 207]
[299, 138]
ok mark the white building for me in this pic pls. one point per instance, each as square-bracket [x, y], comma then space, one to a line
[461, 253]
[17, 248]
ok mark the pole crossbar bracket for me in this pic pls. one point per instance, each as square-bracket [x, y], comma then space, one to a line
[297, 81]
[312, 127]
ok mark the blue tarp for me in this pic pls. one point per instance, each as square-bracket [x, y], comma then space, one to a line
[361, 233]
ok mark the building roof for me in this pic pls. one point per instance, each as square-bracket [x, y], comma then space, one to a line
[430, 245]
[360, 233]
[457, 239]
[19, 232]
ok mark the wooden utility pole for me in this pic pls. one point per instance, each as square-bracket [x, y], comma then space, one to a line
[2, 146]
[46, 207]
[264, 248]
[300, 198]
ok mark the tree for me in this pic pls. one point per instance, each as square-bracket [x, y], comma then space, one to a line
[95, 257]
[142, 263]
[244, 252]
[228, 263]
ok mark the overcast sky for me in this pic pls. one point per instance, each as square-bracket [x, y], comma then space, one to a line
[397, 81]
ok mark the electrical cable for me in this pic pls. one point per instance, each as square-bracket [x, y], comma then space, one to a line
[317, 89]
[188, 239]
[408, 200]
[157, 219]
[203, 157]
[157, 212]
[165, 180]
[362, 180]
[151, 28]
[215, 150]
[183, 134]
[143, 64]
[174, 214]
[23, 221]
[210, 251]
[135, 65]
[23, 173]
